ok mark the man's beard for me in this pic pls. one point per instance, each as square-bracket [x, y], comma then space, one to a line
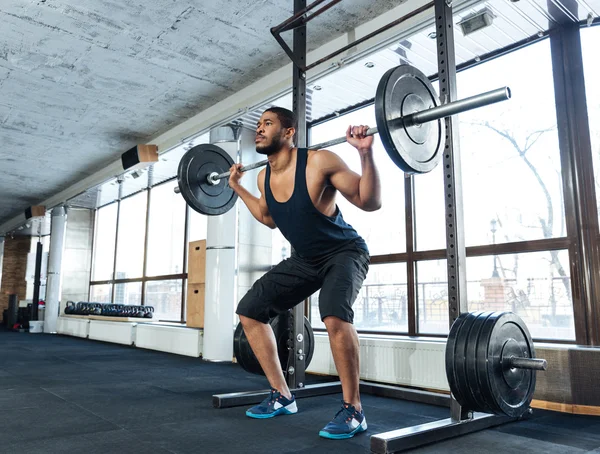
[273, 147]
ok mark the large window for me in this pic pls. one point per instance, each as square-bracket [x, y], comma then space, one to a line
[591, 68]
[510, 156]
[166, 231]
[104, 244]
[535, 286]
[513, 197]
[162, 283]
[132, 236]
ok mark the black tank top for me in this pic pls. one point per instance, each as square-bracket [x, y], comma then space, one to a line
[310, 232]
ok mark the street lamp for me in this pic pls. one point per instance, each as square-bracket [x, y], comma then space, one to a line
[493, 229]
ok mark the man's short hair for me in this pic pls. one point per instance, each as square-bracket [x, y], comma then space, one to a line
[287, 118]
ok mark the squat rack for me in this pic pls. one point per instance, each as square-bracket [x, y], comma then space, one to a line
[462, 420]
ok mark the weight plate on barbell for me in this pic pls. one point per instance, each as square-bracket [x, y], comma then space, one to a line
[511, 390]
[194, 167]
[481, 401]
[402, 91]
[456, 359]
[280, 325]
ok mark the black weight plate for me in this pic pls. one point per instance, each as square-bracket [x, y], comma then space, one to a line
[243, 352]
[194, 168]
[512, 388]
[482, 363]
[246, 358]
[456, 364]
[451, 354]
[402, 91]
[480, 399]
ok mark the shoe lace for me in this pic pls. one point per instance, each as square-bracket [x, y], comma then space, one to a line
[343, 415]
[274, 395]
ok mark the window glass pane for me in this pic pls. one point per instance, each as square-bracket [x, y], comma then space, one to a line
[198, 226]
[590, 37]
[104, 244]
[510, 155]
[381, 304]
[165, 297]
[100, 293]
[383, 230]
[132, 231]
[536, 286]
[430, 230]
[383, 299]
[166, 229]
[129, 293]
[432, 297]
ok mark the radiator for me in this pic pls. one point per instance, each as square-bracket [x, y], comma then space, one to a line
[116, 332]
[73, 327]
[171, 339]
[396, 361]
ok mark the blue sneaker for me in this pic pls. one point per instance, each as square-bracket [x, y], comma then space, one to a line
[346, 423]
[272, 406]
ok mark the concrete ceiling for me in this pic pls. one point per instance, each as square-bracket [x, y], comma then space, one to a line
[82, 81]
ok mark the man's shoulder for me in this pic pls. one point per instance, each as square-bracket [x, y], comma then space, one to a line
[321, 156]
[325, 161]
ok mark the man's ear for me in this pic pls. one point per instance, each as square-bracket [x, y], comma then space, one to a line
[290, 132]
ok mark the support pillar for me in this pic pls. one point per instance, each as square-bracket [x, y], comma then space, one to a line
[221, 267]
[57, 241]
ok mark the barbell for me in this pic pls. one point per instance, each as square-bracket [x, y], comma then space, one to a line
[408, 116]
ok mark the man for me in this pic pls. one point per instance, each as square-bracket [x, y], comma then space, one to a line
[298, 189]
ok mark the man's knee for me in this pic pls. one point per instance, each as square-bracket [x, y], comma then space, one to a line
[336, 325]
[248, 321]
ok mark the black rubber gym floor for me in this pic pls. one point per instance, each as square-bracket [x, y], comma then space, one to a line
[68, 395]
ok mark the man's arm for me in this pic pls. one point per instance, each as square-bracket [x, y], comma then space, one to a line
[257, 206]
[363, 191]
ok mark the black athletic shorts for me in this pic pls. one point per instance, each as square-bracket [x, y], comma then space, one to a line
[339, 276]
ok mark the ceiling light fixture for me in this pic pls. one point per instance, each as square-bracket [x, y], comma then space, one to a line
[432, 35]
[369, 64]
[317, 87]
[476, 21]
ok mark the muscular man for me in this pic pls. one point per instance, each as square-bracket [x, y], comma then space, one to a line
[298, 189]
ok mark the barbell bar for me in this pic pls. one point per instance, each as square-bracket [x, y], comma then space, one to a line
[414, 119]
[409, 123]
[527, 363]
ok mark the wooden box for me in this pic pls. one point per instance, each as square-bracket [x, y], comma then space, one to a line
[195, 284]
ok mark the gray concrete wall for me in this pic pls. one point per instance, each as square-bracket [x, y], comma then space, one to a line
[254, 239]
[76, 264]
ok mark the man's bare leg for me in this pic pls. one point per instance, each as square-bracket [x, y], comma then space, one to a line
[262, 340]
[345, 349]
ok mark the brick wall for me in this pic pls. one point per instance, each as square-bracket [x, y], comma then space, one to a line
[14, 269]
